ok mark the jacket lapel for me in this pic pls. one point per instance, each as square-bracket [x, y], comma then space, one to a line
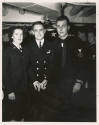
[15, 48]
[36, 51]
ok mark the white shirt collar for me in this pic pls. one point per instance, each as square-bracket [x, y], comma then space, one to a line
[38, 42]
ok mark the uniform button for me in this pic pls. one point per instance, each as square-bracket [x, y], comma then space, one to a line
[45, 77]
[37, 68]
[37, 75]
[37, 61]
[44, 61]
[45, 68]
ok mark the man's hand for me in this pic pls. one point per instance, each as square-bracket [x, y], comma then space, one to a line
[43, 84]
[11, 96]
[37, 86]
[76, 87]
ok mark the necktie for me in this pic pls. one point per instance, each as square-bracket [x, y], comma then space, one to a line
[40, 44]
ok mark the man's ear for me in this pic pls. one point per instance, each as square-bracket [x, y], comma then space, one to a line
[68, 27]
[32, 32]
[44, 31]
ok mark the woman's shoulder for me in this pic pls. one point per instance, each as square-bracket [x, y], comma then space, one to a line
[8, 49]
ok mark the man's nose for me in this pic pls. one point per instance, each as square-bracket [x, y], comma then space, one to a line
[39, 33]
[20, 36]
[60, 28]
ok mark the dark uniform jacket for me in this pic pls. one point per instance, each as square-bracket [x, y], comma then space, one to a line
[65, 73]
[41, 61]
[70, 45]
[80, 58]
[15, 69]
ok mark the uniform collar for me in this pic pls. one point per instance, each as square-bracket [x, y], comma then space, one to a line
[38, 42]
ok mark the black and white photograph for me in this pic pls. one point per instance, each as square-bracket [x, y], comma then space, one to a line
[49, 61]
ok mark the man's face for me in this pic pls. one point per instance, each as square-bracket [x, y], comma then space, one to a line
[62, 28]
[17, 36]
[38, 31]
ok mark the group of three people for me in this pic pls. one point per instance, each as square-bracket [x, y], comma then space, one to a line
[36, 74]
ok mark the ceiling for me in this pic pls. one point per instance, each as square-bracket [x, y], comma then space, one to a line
[80, 12]
[36, 8]
[77, 12]
[87, 9]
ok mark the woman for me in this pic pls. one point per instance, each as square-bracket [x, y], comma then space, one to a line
[15, 77]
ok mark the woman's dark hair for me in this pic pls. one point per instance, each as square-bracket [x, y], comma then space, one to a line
[11, 31]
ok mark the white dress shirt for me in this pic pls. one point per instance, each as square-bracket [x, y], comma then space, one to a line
[38, 42]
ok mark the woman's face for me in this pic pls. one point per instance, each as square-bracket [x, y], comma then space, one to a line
[17, 36]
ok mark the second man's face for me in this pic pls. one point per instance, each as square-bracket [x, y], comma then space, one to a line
[62, 28]
[38, 31]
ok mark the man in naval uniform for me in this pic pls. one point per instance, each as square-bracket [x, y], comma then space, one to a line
[41, 54]
[68, 79]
